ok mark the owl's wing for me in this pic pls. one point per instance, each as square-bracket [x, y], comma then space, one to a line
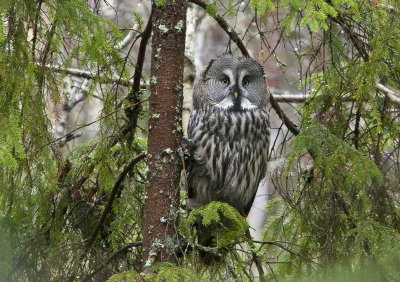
[190, 162]
[260, 177]
[197, 174]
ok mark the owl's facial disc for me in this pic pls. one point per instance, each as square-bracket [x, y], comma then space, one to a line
[236, 94]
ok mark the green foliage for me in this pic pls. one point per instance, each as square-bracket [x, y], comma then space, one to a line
[230, 8]
[316, 12]
[158, 272]
[49, 201]
[369, 272]
[233, 228]
[212, 8]
[5, 248]
[262, 6]
[329, 217]
[334, 159]
[126, 276]
[170, 272]
[340, 221]
[11, 148]
[160, 2]
[342, 216]
[139, 21]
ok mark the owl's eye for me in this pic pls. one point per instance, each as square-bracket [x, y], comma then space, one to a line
[245, 81]
[225, 80]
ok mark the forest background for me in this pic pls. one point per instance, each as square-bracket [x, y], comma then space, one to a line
[91, 157]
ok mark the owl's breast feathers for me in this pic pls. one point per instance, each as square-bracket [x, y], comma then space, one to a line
[230, 153]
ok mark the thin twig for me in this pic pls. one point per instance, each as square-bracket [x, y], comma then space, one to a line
[284, 248]
[86, 74]
[256, 258]
[124, 130]
[289, 124]
[225, 26]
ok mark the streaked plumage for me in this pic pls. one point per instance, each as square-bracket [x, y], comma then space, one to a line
[229, 130]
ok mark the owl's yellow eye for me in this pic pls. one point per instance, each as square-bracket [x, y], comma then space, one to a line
[225, 80]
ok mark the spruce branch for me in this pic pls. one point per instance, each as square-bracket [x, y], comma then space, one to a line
[111, 258]
[280, 245]
[111, 199]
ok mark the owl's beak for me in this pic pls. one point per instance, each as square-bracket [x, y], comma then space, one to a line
[235, 91]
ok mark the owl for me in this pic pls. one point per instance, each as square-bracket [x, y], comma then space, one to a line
[229, 132]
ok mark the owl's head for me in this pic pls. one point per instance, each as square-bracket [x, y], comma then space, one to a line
[231, 83]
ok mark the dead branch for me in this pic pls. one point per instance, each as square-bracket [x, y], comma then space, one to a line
[86, 74]
[133, 111]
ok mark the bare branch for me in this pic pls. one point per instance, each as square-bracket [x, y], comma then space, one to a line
[393, 95]
[124, 131]
[125, 42]
[290, 98]
[285, 98]
[86, 74]
[132, 112]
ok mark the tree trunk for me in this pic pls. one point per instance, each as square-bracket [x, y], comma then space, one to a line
[165, 132]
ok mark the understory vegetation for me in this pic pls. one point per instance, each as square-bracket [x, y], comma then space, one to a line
[76, 214]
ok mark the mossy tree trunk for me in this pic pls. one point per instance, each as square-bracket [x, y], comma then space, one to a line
[165, 131]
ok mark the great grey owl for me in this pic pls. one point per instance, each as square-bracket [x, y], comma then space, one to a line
[229, 133]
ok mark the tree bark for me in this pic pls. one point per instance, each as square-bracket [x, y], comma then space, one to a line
[165, 132]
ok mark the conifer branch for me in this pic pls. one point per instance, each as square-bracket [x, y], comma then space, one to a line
[111, 199]
[112, 257]
[278, 244]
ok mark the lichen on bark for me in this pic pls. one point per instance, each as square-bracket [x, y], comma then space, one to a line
[167, 61]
